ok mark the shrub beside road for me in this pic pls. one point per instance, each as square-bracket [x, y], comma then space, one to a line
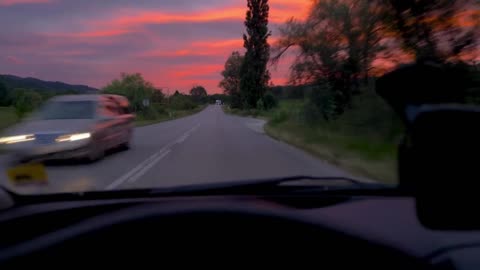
[362, 141]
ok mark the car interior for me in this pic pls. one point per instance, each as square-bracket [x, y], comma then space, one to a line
[424, 223]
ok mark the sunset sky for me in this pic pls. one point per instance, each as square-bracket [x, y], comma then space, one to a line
[173, 43]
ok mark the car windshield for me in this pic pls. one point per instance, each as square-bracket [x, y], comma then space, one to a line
[197, 92]
[67, 110]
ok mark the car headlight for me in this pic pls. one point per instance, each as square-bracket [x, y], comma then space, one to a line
[17, 139]
[73, 137]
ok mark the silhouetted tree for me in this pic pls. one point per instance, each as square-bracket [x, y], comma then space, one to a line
[254, 74]
[199, 94]
[438, 30]
[337, 44]
[132, 86]
[4, 100]
[231, 79]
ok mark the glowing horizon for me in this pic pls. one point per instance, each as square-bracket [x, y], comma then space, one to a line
[174, 44]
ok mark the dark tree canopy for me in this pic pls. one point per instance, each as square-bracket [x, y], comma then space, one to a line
[199, 94]
[254, 74]
[3, 94]
[198, 91]
[440, 30]
[231, 78]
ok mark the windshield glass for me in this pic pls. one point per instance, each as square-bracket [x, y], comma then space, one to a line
[219, 91]
[67, 110]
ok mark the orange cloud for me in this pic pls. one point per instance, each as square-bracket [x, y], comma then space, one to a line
[281, 10]
[157, 17]
[219, 44]
[18, 2]
[195, 70]
[126, 18]
[96, 34]
[177, 53]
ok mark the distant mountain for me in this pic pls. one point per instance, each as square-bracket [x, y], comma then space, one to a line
[13, 82]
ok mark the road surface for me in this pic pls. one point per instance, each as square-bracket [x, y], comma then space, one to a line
[207, 147]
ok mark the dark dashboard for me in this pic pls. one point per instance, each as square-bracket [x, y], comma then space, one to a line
[333, 231]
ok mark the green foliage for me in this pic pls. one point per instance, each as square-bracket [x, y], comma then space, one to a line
[231, 78]
[157, 96]
[13, 82]
[199, 94]
[254, 76]
[181, 102]
[289, 91]
[160, 108]
[8, 117]
[269, 101]
[149, 113]
[4, 100]
[371, 117]
[320, 105]
[279, 117]
[260, 105]
[134, 87]
[338, 42]
[26, 101]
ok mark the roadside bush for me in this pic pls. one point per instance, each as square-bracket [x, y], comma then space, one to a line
[371, 116]
[320, 104]
[159, 108]
[149, 113]
[26, 101]
[279, 117]
[269, 101]
[182, 102]
[260, 105]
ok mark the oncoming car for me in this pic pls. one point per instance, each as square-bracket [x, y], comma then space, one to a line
[72, 126]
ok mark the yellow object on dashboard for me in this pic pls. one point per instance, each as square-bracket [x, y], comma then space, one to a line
[27, 173]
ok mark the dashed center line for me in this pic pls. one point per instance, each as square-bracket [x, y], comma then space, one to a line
[142, 168]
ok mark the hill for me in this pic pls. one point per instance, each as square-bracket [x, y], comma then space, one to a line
[12, 82]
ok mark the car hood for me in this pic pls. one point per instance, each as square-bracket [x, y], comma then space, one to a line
[51, 126]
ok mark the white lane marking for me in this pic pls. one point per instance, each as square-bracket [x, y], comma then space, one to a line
[147, 164]
[148, 167]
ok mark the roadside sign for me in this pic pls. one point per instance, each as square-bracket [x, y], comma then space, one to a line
[146, 102]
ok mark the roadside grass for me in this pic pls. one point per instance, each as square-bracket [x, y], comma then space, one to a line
[168, 115]
[8, 117]
[355, 142]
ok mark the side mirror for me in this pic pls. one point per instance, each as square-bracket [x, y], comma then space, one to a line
[438, 158]
[438, 162]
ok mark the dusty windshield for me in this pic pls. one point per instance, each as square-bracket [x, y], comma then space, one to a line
[196, 92]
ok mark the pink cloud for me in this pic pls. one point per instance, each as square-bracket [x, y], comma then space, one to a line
[118, 29]
[19, 2]
[14, 60]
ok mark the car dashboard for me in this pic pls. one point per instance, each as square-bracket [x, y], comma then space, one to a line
[376, 232]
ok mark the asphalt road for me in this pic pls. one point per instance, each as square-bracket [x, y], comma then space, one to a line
[207, 147]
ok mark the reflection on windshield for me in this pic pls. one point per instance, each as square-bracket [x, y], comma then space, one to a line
[68, 110]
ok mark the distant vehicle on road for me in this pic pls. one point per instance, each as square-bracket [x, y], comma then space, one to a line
[72, 126]
[218, 102]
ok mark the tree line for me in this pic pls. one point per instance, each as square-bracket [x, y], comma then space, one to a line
[133, 86]
[343, 45]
